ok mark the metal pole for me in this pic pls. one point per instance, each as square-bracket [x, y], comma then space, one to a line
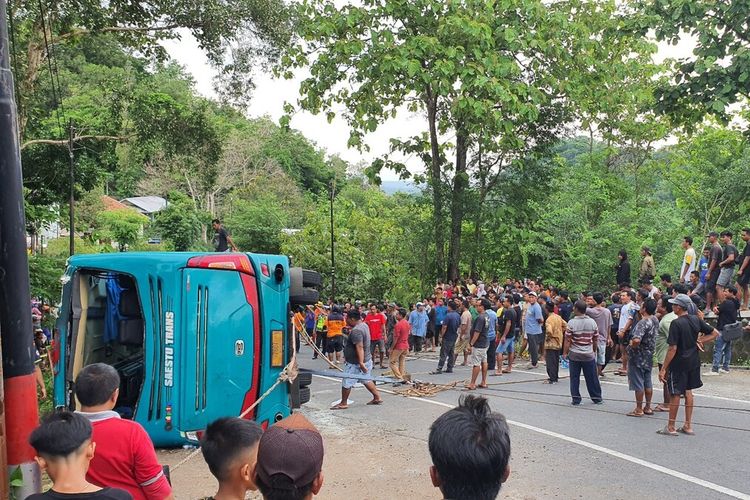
[16, 335]
[71, 198]
[333, 249]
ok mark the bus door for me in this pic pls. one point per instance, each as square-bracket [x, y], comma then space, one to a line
[218, 363]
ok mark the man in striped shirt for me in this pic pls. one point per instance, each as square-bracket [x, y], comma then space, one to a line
[580, 347]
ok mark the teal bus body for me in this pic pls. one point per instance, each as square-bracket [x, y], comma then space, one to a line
[207, 336]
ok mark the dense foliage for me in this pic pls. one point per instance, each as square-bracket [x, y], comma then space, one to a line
[550, 139]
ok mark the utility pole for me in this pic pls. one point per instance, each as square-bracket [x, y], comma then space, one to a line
[18, 403]
[71, 194]
[333, 249]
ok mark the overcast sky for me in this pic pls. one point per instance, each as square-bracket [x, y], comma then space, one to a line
[270, 95]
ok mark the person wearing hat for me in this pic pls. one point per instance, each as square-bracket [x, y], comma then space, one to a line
[681, 370]
[290, 460]
[648, 268]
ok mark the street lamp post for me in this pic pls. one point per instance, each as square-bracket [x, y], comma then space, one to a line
[333, 247]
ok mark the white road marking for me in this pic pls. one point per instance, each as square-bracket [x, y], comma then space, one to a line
[697, 394]
[623, 456]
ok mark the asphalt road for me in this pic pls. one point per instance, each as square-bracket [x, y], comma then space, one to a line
[558, 450]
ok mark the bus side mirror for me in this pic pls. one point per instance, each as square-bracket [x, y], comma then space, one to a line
[278, 273]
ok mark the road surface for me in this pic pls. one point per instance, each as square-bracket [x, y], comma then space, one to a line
[558, 451]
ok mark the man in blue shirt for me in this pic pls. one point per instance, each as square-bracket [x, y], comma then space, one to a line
[418, 321]
[491, 335]
[533, 328]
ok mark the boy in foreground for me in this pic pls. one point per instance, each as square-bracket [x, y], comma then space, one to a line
[230, 448]
[64, 449]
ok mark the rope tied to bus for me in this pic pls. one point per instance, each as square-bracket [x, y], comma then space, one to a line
[288, 374]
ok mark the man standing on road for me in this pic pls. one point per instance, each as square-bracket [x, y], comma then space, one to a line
[397, 359]
[464, 332]
[418, 320]
[581, 344]
[478, 344]
[603, 318]
[712, 273]
[506, 334]
[533, 328]
[222, 241]
[681, 370]
[628, 313]
[743, 275]
[448, 337]
[358, 360]
[641, 354]
[491, 335]
[376, 323]
[554, 329]
[470, 450]
[688, 261]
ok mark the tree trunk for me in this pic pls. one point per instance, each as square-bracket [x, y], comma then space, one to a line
[460, 182]
[436, 184]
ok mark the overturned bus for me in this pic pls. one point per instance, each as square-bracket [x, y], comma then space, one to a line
[194, 336]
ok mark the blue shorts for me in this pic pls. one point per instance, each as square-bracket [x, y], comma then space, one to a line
[353, 369]
[509, 346]
[639, 379]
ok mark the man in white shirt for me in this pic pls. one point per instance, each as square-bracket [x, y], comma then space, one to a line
[688, 261]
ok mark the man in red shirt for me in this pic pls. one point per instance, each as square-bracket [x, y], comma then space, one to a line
[125, 457]
[400, 344]
[376, 320]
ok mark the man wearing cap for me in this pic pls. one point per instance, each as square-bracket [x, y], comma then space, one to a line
[533, 328]
[681, 368]
[358, 360]
[418, 321]
[648, 268]
[712, 274]
[290, 460]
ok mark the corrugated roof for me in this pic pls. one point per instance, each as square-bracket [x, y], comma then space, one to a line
[112, 204]
[147, 204]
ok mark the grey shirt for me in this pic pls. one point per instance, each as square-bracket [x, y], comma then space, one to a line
[360, 334]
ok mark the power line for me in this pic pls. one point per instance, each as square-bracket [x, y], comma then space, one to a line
[57, 102]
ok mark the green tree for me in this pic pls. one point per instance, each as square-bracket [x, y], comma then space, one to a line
[125, 227]
[480, 71]
[180, 224]
[718, 73]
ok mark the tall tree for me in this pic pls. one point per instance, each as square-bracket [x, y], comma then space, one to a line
[718, 72]
[475, 68]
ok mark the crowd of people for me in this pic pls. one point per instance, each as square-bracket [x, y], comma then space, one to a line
[488, 324]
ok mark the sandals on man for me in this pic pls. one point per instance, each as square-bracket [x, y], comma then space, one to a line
[689, 432]
[666, 432]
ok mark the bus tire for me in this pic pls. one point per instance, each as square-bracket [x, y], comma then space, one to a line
[304, 379]
[307, 296]
[311, 279]
[304, 395]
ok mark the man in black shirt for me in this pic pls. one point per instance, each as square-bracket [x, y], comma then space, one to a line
[506, 335]
[222, 240]
[743, 275]
[729, 259]
[681, 368]
[479, 342]
[712, 274]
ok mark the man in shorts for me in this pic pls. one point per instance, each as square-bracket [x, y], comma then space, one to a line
[712, 273]
[358, 359]
[681, 370]
[743, 275]
[478, 344]
[335, 336]
[506, 336]
[729, 259]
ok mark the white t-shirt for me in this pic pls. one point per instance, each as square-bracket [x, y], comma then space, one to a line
[689, 260]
